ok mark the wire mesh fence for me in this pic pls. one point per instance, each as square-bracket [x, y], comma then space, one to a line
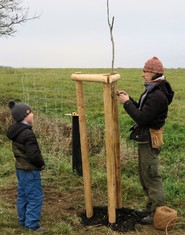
[47, 96]
[43, 94]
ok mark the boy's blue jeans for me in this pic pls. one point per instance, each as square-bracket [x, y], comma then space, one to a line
[29, 198]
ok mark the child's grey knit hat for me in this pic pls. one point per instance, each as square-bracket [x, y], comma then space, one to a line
[19, 110]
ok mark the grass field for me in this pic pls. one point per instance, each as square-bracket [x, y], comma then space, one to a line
[52, 94]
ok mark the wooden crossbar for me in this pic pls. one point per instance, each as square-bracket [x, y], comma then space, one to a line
[99, 78]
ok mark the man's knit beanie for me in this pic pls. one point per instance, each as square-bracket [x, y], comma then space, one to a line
[153, 65]
[19, 110]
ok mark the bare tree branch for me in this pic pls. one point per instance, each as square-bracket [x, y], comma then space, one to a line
[12, 13]
[111, 34]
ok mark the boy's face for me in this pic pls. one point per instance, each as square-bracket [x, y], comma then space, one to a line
[29, 119]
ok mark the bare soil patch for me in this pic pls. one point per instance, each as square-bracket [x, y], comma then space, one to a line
[126, 219]
[58, 204]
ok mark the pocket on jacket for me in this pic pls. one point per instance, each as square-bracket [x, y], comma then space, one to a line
[140, 134]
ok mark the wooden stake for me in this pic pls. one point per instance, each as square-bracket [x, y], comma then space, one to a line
[112, 141]
[117, 147]
[110, 152]
[84, 150]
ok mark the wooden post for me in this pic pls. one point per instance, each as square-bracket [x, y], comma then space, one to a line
[117, 147]
[84, 150]
[110, 153]
[112, 141]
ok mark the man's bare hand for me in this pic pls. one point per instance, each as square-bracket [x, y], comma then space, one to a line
[123, 96]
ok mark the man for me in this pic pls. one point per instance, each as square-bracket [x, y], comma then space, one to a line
[150, 114]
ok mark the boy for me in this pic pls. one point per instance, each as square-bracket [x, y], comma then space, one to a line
[29, 163]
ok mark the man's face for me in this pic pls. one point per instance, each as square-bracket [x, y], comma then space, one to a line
[147, 76]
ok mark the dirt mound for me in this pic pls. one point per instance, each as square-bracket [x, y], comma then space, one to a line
[126, 219]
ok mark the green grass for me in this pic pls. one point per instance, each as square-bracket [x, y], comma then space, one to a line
[52, 94]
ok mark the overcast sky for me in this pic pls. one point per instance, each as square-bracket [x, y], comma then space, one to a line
[75, 34]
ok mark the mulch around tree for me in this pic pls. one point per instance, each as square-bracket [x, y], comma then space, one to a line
[126, 219]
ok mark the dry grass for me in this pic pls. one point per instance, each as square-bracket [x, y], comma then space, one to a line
[54, 134]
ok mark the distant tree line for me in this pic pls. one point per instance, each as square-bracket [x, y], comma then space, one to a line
[5, 67]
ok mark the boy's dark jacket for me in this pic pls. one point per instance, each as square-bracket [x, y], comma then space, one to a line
[25, 147]
[154, 108]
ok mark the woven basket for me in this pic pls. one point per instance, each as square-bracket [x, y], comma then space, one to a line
[164, 216]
